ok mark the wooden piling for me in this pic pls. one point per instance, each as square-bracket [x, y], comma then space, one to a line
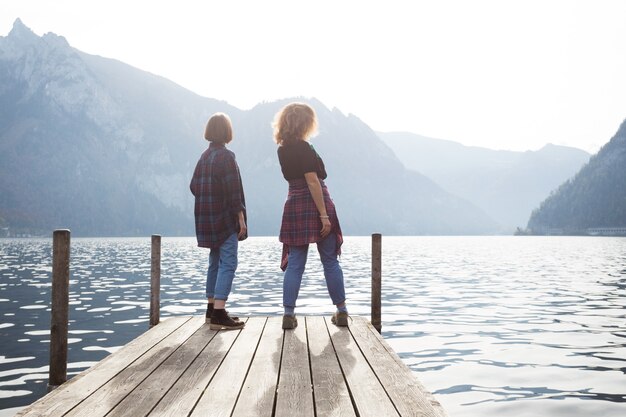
[155, 280]
[376, 280]
[60, 307]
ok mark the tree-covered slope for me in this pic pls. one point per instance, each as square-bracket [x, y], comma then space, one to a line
[595, 197]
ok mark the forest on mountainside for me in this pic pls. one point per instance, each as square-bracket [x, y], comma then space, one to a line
[594, 197]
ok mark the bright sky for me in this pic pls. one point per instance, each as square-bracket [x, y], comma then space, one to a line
[493, 73]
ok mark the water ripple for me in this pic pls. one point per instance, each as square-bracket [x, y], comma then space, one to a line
[494, 326]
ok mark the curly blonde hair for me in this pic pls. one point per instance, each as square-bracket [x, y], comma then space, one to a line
[295, 121]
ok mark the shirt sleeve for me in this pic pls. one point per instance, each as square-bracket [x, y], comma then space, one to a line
[193, 186]
[308, 159]
[231, 182]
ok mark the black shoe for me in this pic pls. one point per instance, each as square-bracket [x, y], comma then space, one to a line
[289, 322]
[220, 320]
[209, 312]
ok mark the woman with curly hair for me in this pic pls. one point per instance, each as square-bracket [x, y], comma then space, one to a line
[309, 215]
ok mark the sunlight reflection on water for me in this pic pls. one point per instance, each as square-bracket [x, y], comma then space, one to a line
[493, 326]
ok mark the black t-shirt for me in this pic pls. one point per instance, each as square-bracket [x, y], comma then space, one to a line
[298, 158]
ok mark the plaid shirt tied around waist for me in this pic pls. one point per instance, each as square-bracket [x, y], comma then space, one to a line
[301, 223]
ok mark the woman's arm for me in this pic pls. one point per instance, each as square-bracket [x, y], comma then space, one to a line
[233, 189]
[315, 189]
[195, 180]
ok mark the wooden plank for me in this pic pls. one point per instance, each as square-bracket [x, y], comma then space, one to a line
[369, 395]
[220, 396]
[143, 399]
[295, 392]
[407, 393]
[332, 397]
[62, 399]
[108, 396]
[259, 389]
[181, 367]
[183, 396]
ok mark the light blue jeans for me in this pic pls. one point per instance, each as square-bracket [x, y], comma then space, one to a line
[222, 267]
[333, 274]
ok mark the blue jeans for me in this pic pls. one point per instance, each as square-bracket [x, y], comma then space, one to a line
[333, 274]
[222, 267]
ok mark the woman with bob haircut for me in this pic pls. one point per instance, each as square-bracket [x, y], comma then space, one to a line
[309, 215]
[220, 216]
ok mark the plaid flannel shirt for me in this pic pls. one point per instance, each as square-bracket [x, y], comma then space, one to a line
[218, 189]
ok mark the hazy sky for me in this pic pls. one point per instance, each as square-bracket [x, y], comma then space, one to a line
[499, 74]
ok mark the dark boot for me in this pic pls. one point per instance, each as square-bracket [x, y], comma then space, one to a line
[340, 318]
[289, 322]
[220, 320]
[209, 313]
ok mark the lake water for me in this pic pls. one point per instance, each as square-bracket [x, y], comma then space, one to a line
[493, 326]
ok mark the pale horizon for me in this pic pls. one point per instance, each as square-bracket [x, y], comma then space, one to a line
[499, 75]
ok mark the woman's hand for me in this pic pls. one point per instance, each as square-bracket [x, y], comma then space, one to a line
[325, 226]
[243, 229]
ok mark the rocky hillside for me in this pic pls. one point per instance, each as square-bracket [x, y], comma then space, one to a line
[92, 144]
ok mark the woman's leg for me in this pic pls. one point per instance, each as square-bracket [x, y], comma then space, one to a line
[211, 279]
[211, 275]
[332, 270]
[226, 270]
[293, 276]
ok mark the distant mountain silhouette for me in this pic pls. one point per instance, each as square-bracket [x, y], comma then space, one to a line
[506, 185]
[105, 149]
[594, 198]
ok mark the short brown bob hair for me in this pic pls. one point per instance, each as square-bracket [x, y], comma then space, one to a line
[296, 121]
[219, 129]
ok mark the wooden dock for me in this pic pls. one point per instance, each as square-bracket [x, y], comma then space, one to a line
[182, 368]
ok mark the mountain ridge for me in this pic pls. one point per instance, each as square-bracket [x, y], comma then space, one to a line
[507, 185]
[105, 149]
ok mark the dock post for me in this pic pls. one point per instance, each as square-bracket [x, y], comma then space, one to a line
[155, 280]
[59, 309]
[376, 280]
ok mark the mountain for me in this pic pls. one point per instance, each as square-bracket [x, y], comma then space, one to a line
[371, 188]
[104, 149]
[595, 197]
[507, 185]
[91, 143]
